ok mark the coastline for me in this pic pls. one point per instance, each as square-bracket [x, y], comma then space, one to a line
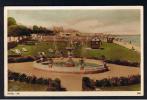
[128, 45]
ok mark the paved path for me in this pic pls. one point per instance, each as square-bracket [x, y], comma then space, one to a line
[72, 82]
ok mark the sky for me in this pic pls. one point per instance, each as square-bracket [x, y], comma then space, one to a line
[122, 21]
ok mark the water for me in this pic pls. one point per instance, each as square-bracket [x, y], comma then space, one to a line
[135, 39]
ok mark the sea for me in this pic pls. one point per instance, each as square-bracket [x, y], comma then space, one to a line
[135, 39]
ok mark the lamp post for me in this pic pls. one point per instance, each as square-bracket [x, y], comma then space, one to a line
[69, 62]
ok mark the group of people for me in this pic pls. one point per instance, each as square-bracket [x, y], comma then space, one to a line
[19, 51]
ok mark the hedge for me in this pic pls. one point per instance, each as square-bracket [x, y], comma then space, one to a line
[118, 81]
[53, 85]
[14, 59]
[89, 84]
[14, 56]
[20, 59]
[123, 62]
[119, 62]
[12, 45]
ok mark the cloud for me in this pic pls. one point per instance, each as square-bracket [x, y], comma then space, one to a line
[95, 21]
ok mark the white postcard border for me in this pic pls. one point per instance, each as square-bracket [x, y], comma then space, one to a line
[70, 93]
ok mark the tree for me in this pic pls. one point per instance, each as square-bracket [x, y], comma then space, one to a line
[11, 21]
[42, 30]
[18, 30]
[35, 29]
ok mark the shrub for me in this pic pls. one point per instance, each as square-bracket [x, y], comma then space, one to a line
[22, 77]
[25, 59]
[57, 83]
[87, 84]
[46, 81]
[123, 81]
[15, 76]
[12, 45]
[118, 81]
[11, 60]
[53, 85]
[28, 79]
[10, 76]
[105, 82]
[33, 80]
[39, 81]
[20, 59]
[14, 55]
[125, 63]
[113, 81]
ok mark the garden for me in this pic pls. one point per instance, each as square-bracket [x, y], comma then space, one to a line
[114, 83]
[112, 53]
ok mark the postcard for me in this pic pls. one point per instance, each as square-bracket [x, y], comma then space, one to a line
[73, 51]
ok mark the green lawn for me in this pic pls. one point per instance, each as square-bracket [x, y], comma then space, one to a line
[39, 47]
[110, 50]
[22, 86]
[114, 52]
[135, 87]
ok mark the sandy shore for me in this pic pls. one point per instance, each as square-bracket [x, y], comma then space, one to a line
[73, 82]
[128, 45]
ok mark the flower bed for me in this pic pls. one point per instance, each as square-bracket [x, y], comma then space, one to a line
[20, 59]
[89, 84]
[53, 85]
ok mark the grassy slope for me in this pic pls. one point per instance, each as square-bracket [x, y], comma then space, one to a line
[113, 52]
[110, 51]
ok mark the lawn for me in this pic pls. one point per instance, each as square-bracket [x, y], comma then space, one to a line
[135, 87]
[110, 50]
[22, 86]
[114, 52]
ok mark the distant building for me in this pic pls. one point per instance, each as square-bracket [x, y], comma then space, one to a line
[110, 39]
[68, 34]
[58, 29]
[96, 43]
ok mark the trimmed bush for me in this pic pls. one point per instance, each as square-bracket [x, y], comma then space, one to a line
[21, 59]
[40, 81]
[11, 60]
[22, 77]
[25, 59]
[14, 56]
[118, 81]
[119, 62]
[12, 45]
[125, 63]
[53, 85]
[87, 83]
